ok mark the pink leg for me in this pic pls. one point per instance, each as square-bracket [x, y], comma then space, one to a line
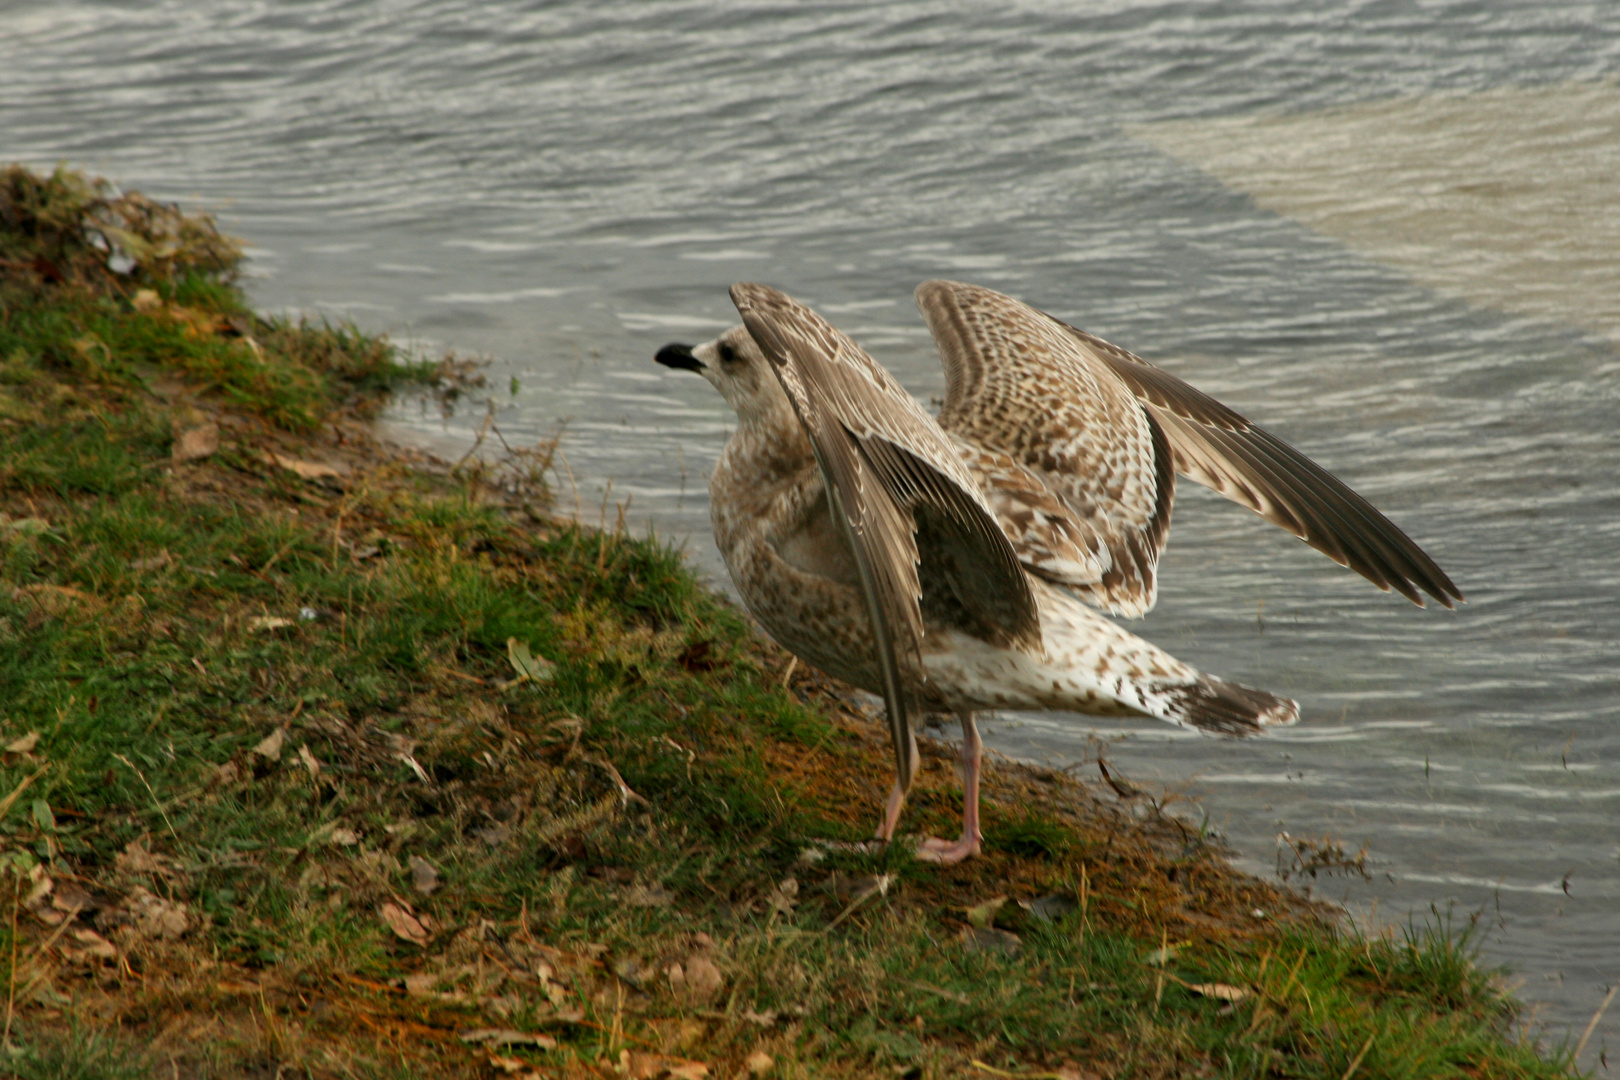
[897, 799]
[942, 851]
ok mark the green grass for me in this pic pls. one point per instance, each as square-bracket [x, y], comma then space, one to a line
[153, 635]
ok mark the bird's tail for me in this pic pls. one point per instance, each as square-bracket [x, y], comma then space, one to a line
[1222, 707]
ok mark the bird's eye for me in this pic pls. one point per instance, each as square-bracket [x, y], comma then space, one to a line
[728, 355]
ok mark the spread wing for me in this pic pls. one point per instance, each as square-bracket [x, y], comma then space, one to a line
[1050, 420]
[899, 491]
[1210, 443]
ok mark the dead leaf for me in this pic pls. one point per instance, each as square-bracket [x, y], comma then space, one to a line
[146, 300]
[24, 744]
[309, 470]
[989, 940]
[759, 1063]
[654, 895]
[40, 887]
[260, 623]
[425, 984]
[424, 878]
[135, 859]
[1161, 956]
[983, 915]
[494, 835]
[95, 945]
[529, 668]
[309, 761]
[406, 926]
[763, 1019]
[1049, 908]
[344, 837]
[71, 898]
[508, 1037]
[510, 1064]
[270, 747]
[634, 1065]
[155, 917]
[196, 443]
[784, 896]
[703, 979]
[28, 526]
[1219, 991]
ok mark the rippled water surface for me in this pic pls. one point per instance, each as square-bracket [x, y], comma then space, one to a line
[1385, 230]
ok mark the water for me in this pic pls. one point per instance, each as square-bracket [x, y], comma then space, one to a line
[1385, 230]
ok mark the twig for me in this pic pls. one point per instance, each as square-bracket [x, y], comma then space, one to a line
[152, 793]
[950, 995]
[1356, 1063]
[993, 1071]
[16, 793]
[11, 993]
[879, 889]
[483, 433]
[1587, 1034]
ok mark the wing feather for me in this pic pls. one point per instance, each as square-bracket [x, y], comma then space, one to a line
[889, 468]
[1201, 438]
[1019, 385]
[1222, 450]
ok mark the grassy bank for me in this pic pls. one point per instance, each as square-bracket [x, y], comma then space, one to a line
[321, 759]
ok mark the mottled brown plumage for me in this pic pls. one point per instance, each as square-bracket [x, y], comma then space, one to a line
[938, 562]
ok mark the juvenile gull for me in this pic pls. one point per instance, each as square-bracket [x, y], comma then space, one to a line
[942, 562]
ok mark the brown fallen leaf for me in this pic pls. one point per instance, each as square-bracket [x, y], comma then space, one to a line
[309, 470]
[508, 1037]
[759, 1063]
[24, 744]
[309, 761]
[269, 747]
[425, 984]
[703, 979]
[135, 859]
[195, 443]
[784, 896]
[155, 917]
[416, 929]
[94, 945]
[635, 1065]
[990, 940]
[424, 878]
[512, 1066]
[71, 897]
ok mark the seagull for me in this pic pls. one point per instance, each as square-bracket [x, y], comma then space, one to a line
[963, 562]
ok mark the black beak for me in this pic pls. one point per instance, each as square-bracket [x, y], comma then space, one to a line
[679, 356]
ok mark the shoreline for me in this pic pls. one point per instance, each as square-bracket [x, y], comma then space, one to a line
[323, 754]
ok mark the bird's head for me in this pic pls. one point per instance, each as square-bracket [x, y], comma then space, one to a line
[734, 366]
